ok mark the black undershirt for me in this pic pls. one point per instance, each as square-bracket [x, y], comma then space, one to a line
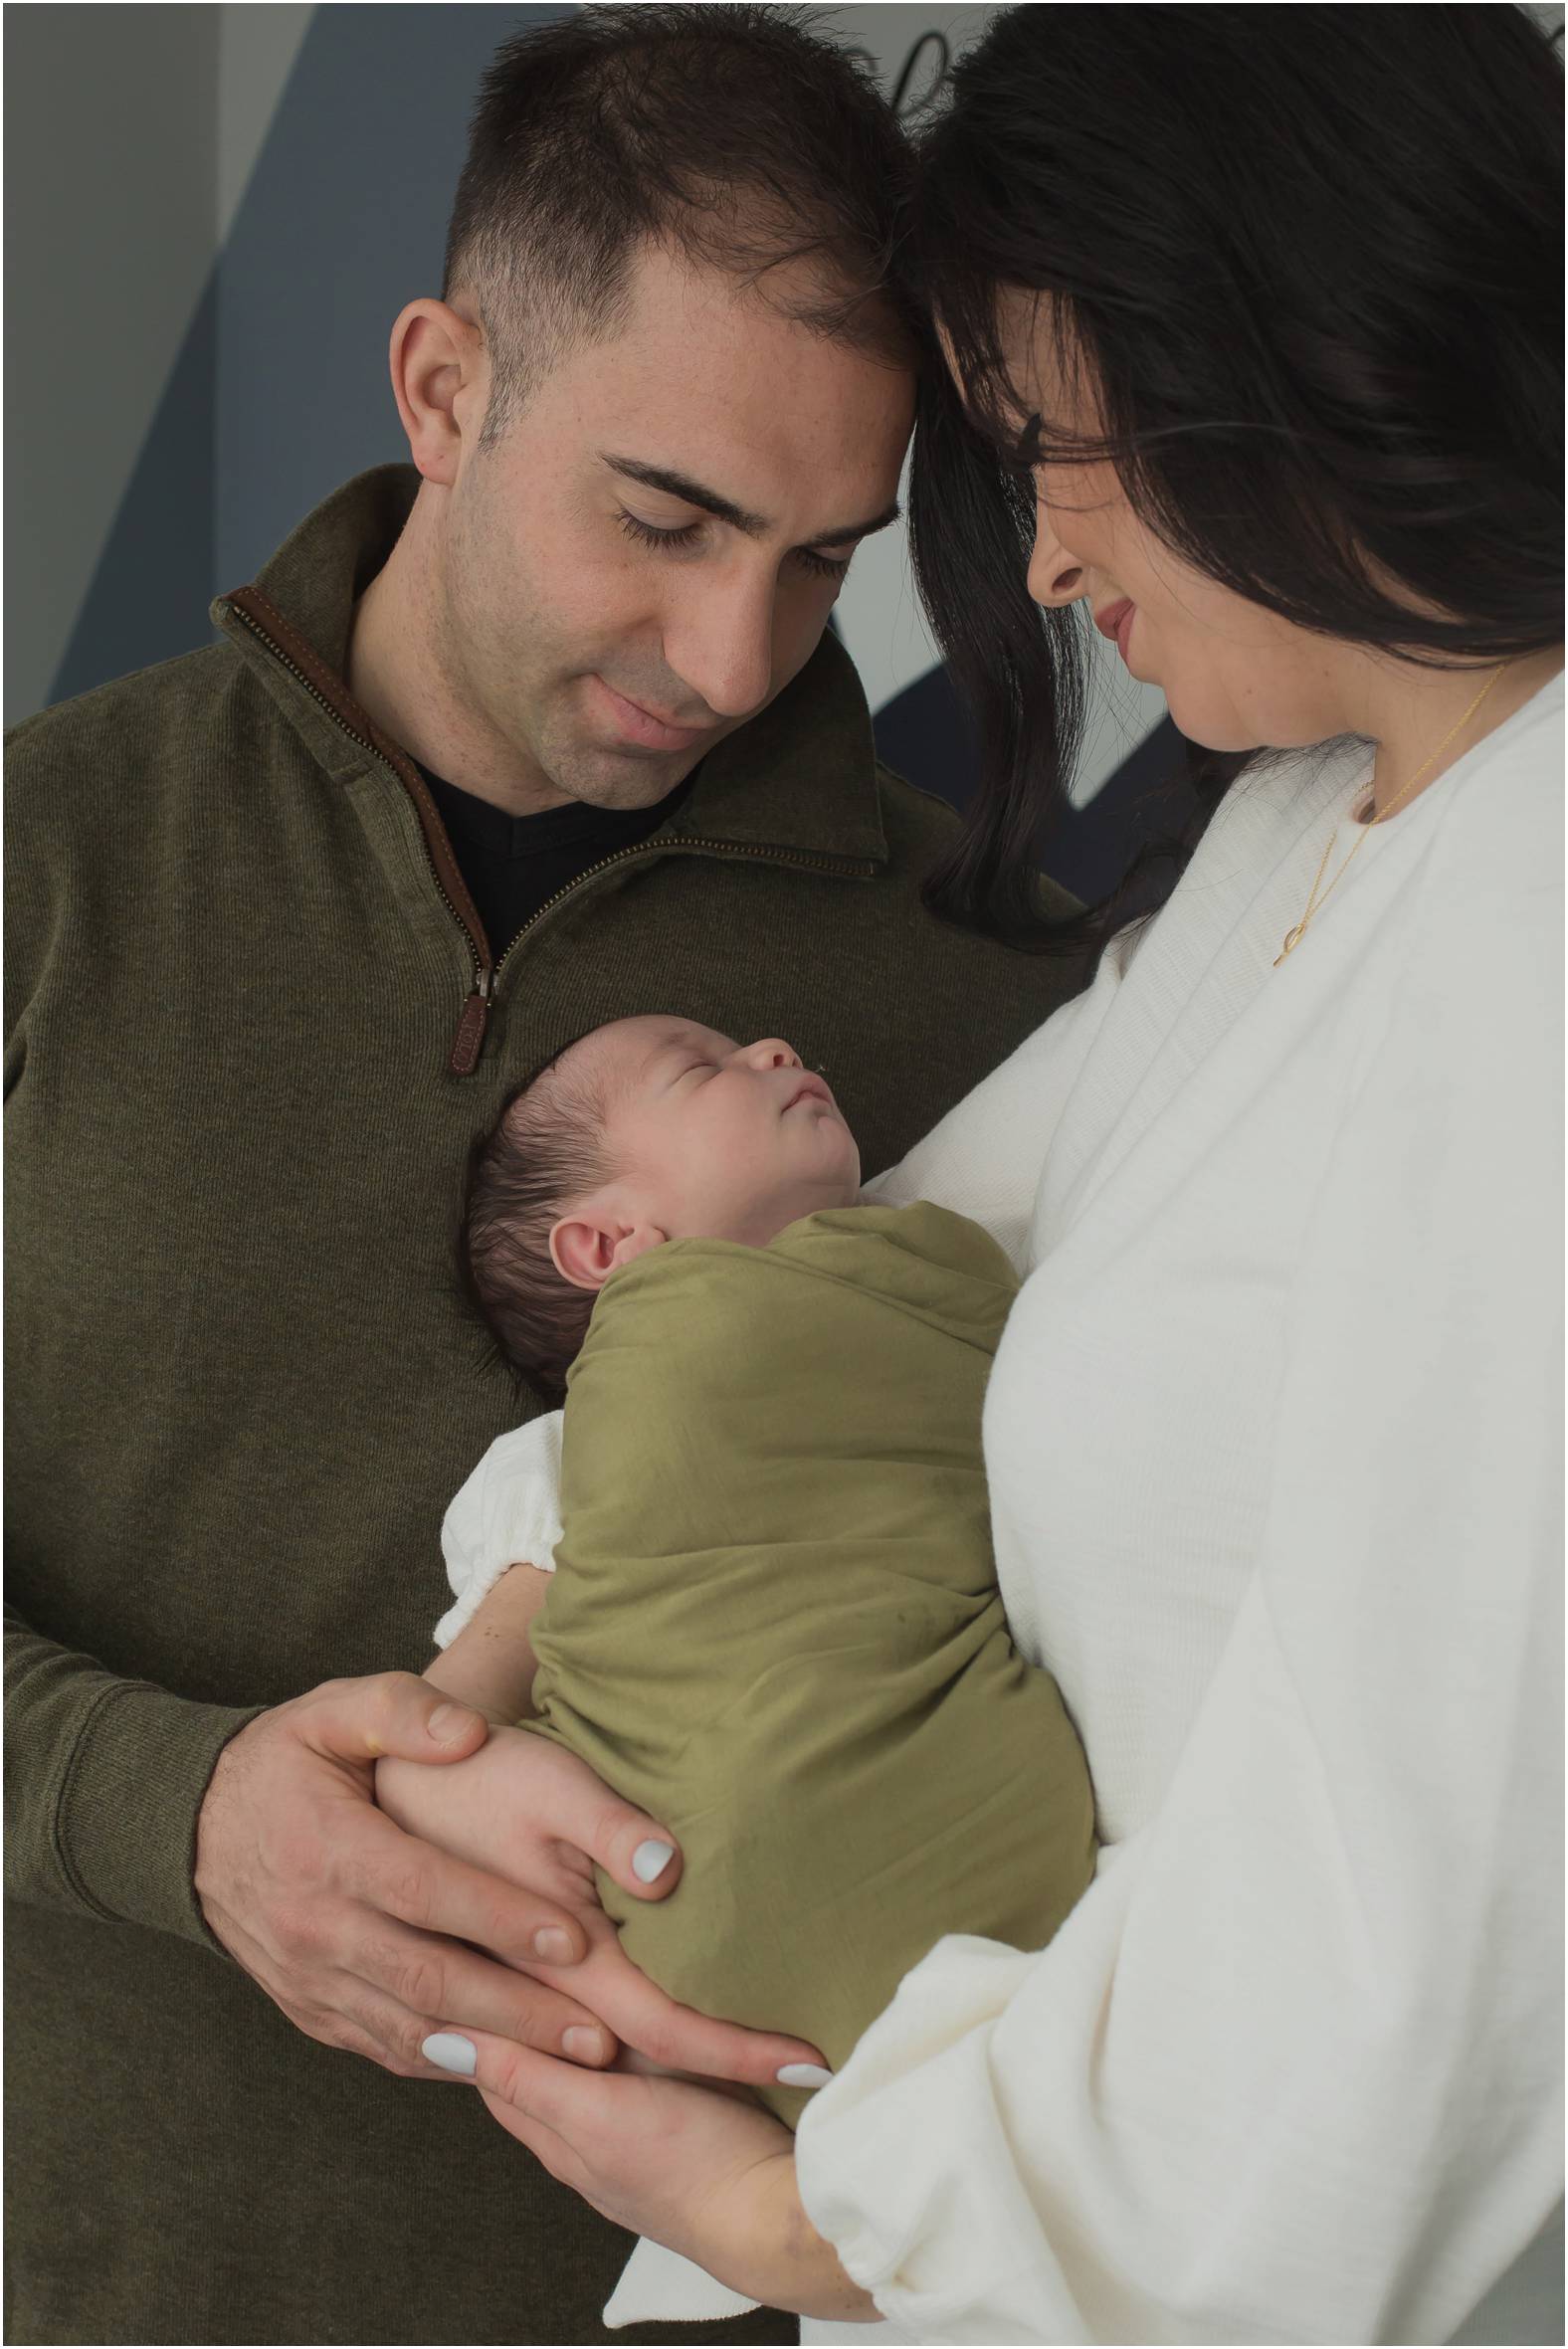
[514, 864]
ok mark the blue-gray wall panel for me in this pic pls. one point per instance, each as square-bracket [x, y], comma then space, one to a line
[280, 389]
[343, 222]
[150, 594]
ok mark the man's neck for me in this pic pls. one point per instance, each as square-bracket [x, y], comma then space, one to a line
[402, 672]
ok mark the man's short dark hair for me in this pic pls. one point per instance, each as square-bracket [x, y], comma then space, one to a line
[736, 135]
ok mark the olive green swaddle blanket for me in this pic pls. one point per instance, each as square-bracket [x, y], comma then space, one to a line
[775, 1623]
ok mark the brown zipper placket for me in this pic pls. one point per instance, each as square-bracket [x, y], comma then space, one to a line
[265, 620]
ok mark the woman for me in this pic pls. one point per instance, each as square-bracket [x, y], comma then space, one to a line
[1266, 308]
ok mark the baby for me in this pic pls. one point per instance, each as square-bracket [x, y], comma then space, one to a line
[647, 1130]
[774, 1622]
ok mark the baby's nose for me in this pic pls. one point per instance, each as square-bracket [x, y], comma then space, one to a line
[771, 1052]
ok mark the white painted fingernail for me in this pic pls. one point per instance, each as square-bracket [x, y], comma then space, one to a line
[802, 2075]
[650, 1861]
[451, 2052]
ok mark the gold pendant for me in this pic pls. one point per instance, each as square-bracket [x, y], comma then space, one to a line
[1292, 938]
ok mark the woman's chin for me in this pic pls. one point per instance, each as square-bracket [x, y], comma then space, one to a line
[1210, 728]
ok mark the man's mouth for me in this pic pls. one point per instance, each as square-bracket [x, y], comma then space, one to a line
[644, 727]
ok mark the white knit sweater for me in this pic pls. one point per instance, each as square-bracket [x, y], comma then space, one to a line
[1273, 1441]
[1274, 1448]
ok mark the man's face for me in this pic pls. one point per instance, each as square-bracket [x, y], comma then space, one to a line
[650, 551]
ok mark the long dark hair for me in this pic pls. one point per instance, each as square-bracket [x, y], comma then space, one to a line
[1310, 258]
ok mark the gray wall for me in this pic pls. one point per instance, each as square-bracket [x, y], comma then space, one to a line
[110, 170]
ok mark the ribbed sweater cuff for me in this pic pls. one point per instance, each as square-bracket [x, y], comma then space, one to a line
[126, 1820]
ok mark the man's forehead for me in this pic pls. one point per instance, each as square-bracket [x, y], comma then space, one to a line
[715, 375]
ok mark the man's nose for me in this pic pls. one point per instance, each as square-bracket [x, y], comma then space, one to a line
[719, 641]
[1054, 576]
[770, 1051]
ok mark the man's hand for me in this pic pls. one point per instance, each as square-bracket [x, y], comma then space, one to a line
[354, 1929]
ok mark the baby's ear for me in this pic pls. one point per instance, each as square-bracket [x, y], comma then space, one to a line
[586, 1247]
[635, 1240]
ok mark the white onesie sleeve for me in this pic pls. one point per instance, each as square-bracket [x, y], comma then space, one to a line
[507, 1514]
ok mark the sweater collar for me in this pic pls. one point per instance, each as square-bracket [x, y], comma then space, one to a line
[800, 776]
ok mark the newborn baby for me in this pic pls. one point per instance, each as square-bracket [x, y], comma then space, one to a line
[774, 1622]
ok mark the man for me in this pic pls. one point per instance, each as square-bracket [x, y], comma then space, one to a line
[545, 733]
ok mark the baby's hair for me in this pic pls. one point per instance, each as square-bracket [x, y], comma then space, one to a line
[547, 1149]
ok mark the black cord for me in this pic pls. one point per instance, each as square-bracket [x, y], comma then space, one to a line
[906, 72]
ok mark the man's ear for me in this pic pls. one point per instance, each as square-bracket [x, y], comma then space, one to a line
[441, 377]
[586, 1247]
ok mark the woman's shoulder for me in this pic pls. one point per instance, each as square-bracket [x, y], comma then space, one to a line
[1472, 945]
[1498, 825]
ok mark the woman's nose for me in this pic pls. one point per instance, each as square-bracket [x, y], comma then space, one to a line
[771, 1052]
[1054, 576]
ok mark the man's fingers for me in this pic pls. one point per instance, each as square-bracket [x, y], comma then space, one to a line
[389, 1713]
[414, 1984]
[426, 1888]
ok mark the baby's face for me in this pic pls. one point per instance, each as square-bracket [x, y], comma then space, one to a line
[718, 1140]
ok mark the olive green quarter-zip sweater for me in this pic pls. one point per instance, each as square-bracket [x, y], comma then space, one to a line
[254, 1026]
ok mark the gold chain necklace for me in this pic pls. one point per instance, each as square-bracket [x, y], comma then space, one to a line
[1293, 938]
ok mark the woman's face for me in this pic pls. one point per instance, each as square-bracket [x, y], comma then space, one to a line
[1235, 675]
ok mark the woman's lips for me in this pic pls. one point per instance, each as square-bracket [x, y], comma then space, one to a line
[1116, 622]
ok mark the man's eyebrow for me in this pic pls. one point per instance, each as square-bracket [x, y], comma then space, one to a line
[724, 509]
[865, 529]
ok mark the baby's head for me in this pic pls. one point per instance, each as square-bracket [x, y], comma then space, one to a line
[649, 1130]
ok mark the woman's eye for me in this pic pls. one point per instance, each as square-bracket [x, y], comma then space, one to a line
[821, 566]
[649, 533]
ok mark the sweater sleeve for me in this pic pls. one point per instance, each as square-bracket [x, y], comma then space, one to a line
[105, 1779]
[1293, 2068]
[984, 1159]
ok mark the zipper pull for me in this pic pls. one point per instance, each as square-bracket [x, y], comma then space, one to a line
[470, 1039]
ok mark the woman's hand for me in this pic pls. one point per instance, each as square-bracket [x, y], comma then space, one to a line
[705, 2171]
[526, 1810]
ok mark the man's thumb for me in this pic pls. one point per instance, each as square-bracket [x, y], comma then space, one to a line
[397, 1713]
